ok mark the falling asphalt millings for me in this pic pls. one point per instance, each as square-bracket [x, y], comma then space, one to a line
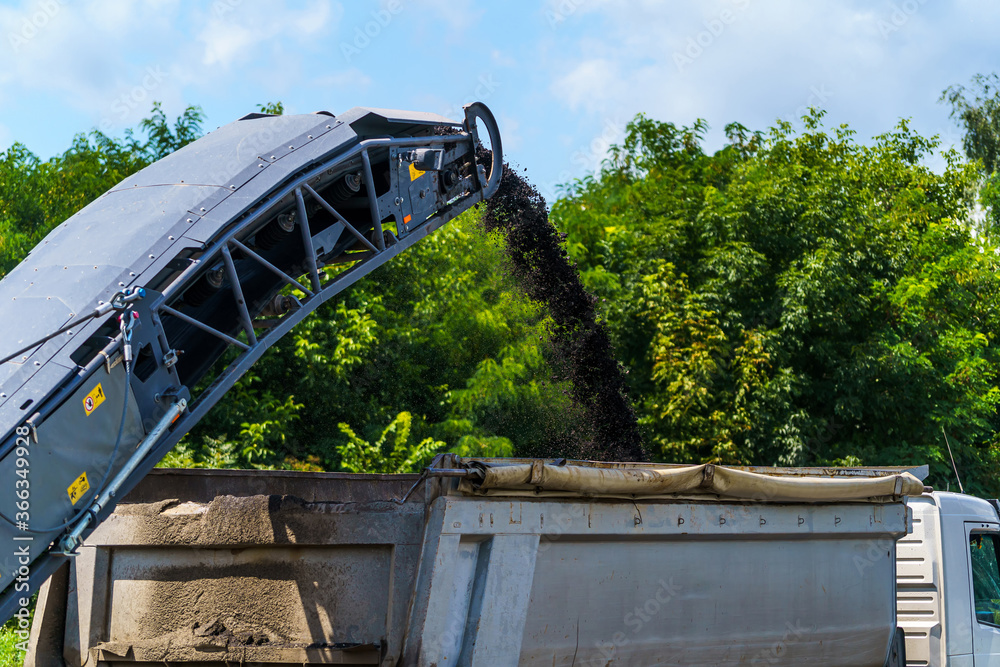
[581, 345]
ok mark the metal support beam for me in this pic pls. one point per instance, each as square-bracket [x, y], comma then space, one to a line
[329, 209]
[204, 327]
[241, 303]
[307, 240]
[271, 267]
[346, 257]
[372, 199]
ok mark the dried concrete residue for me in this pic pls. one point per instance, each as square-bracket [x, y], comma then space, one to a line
[244, 520]
[225, 600]
[241, 578]
[226, 520]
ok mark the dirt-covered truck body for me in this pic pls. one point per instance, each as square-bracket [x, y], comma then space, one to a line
[488, 563]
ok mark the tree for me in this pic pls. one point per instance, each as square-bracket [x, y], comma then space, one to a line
[439, 333]
[391, 453]
[37, 195]
[796, 298]
[980, 118]
[162, 140]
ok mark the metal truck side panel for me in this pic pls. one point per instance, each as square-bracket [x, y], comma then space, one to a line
[207, 567]
[672, 583]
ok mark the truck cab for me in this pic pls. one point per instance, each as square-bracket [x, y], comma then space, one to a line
[948, 582]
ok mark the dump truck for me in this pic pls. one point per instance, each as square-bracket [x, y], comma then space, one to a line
[492, 562]
[532, 562]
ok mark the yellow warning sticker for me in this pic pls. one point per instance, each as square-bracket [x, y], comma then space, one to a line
[93, 399]
[415, 173]
[79, 487]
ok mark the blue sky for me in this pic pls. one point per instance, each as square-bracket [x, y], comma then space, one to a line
[562, 76]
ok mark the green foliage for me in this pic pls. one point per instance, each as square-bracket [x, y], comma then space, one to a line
[796, 298]
[162, 140]
[11, 654]
[275, 108]
[391, 453]
[979, 117]
[439, 333]
[37, 195]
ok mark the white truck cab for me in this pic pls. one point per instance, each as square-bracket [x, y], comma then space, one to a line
[948, 582]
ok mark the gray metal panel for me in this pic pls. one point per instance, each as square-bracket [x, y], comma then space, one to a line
[37, 385]
[664, 583]
[160, 258]
[202, 485]
[19, 373]
[218, 157]
[76, 263]
[71, 443]
[305, 575]
[210, 222]
[396, 116]
[368, 121]
[705, 602]
[130, 229]
[314, 595]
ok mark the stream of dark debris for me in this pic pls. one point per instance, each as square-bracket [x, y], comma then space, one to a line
[581, 347]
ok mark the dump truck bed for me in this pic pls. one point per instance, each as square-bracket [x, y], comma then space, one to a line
[284, 567]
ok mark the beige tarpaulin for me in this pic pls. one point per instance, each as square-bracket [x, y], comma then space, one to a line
[541, 478]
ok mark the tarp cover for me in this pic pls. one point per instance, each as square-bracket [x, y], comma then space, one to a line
[540, 478]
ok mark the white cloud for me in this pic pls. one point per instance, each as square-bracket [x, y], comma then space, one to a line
[753, 62]
[352, 79]
[591, 85]
[73, 50]
[458, 15]
[111, 58]
[239, 35]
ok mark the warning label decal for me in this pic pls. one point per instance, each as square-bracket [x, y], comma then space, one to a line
[79, 487]
[92, 400]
